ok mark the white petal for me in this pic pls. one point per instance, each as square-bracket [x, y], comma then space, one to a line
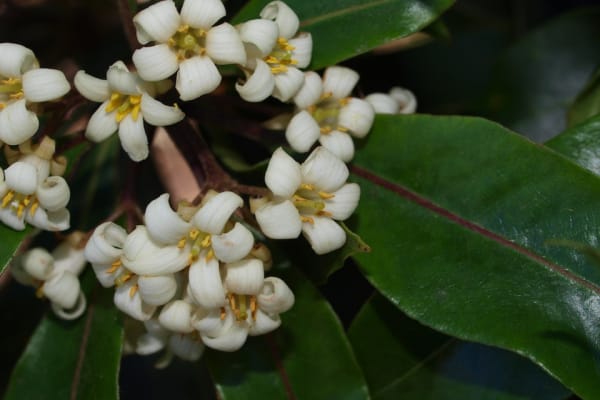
[176, 316]
[311, 90]
[74, 312]
[144, 257]
[261, 33]
[106, 278]
[324, 170]
[157, 23]
[106, 243]
[215, 213]
[101, 125]
[233, 245]
[382, 103]
[9, 218]
[340, 144]
[208, 322]
[406, 100]
[44, 84]
[132, 305]
[202, 13]
[91, 87]
[18, 272]
[288, 83]
[164, 225]
[344, 202]
[284, 16]
[279, 220]
[259, 85]
[264, 323]
[15, 60]
[232, 337]
[224, 45]
[17, 123]
[69, 258]
[283, 176]
[303, 49]
[63, 289]
[42, 166]
[185, 347]
[197, 76]
[53, 194]
[121, 80]
[245, 276]
[150, 344]
[357, 116]
[51, 221]
[275, 296]
[38, 263]
[21, 177]
[155, 62]
[302, 132]
[157, 290]
[133, 138]
[157, 114]
[339, 81]
[324, 235]
[205, 283]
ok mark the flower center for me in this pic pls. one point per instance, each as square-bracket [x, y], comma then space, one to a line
[124, 105]
[11, 89]
[326, 112]
[240, 304]
[188, 42]
[281, 57]
[199, 241]
[19, 203]
[311, 201]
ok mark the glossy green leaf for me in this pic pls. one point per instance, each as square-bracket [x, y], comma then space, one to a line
[11, 240]
[539, 77]
[581, 144]
[308, 357]
[587, 103]
[403, 359]
[73, 359]
[342, 29]
[474, 206]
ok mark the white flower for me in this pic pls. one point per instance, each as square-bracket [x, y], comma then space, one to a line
[275, 52]
[127, 102]
[327, 114]
[398, 101]
[23, 84]
[186, 346]
[188, 44]
[308, 198]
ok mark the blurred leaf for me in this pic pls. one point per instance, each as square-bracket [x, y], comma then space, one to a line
[11, 240]
[403, 359]
[539, 77]
[475, 206]
[587, 103]
[73, 359]
[308, 357]
[342, 29]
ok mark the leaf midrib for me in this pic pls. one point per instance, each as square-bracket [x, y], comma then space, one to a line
[344, 11]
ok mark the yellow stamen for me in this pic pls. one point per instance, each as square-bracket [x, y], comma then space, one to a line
[194, 234]
[210, 255]
[344, 101]
[324, 213]
[20, 210]
[122, 279]
[205, 242]
[8, 198]
[39, 292]
[181, 243]
[307, 186]
[310, 220]
[223, 313]
[113, 267]
[132, 291]
[253, 307]
[326, 129]
[326, 196]
[34, 208]
[342, 129]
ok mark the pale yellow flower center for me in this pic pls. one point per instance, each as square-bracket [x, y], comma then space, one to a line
[11, 89]
[281, 57]
[188, 42]
[198, 241]
[19, 203]
[124, 105]
[310, 201]
[326, 112]
[240, 305]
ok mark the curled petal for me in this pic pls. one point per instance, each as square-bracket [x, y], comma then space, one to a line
[10, 218]
[38, 263]
[18, 272]
[324, 170]
[215, 213]
[157, 23]
[324, 235]
[144, 257]
[62, 289]
[302, 132]
[68, 258]
[283, 176]
[121, 80]
[205, 283]
[233, 245]
[261, 33]
[303, 49]
[74, 312]
[164, 225]
[130, 302]
[311, 90]
[288, 83]
[53, 194]
[197, 76]
[279, 220]
[245, 276]
[17, 123]
[275, 296]
[357, 116]
[407, 102]
[157, 290]
[106, 274]
[176, 316]
[264, 323]
[150, 344]
[259, 85]
[15, 60]
[90, 87]
[202, 13]
[106, 244]
[285, 18]
[21, 177]
[340, 144]
[133, 138]
[154, 63]
[186, 347]
[231, 338]
[224, 45]
[382, 103]
[101, 124]
[158, 114]
[344, 202]
[51, 221]
[44, 84]
[208, 322]
[339, 81]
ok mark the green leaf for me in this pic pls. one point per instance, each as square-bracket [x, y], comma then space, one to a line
[308, 357]
[538, 78]
[73, 359]
[587, 103]
[11, 240]
[474, 206]
[403, 359]
[342, 29]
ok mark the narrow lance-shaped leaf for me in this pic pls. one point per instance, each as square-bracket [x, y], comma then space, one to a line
[473, 206]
